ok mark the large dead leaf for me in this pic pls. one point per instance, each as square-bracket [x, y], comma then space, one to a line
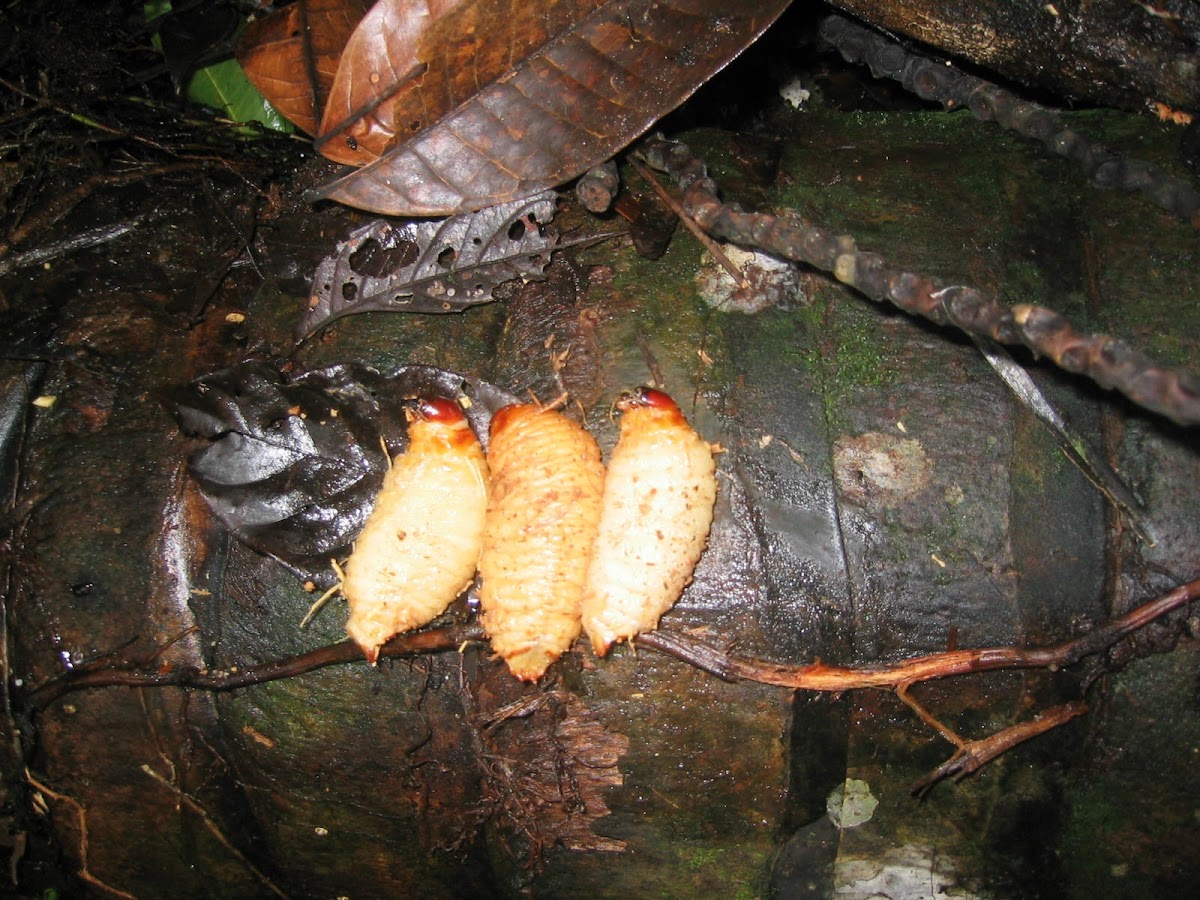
[384, 79]
[438, 266]
[525, 95]
[292, 55]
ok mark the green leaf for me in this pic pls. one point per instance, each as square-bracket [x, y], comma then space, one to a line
[224, 86]
[155, 8]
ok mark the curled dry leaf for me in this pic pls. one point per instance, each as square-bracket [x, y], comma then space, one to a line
[433, 266]
[503, 99]
[292, 466]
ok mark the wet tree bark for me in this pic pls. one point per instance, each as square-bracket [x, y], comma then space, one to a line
[1110, 52]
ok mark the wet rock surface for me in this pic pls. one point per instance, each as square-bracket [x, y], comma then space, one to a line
[881, 495]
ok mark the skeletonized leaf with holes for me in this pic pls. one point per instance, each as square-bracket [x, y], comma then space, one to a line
[432, 266]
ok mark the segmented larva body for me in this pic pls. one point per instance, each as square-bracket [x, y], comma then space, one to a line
[655, 519]
[547, 480]
[420, 545]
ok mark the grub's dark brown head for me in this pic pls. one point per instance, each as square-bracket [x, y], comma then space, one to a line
[647, 398]
[439, 410]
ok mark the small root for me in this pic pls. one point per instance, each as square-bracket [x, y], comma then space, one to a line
[324, 598]
[192, 804]
[81, 816]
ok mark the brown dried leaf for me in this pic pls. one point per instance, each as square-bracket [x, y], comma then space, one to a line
[411, 61]
[577, 81]
[292, 55]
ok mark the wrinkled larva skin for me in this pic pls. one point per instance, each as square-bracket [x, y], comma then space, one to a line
[547, 480]
[420, 545]
[657, 512]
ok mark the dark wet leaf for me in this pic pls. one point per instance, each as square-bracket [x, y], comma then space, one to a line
[502, 99]
[432, 266]
[292, 55]
[292, 466]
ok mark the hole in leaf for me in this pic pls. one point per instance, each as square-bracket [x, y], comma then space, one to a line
[365, 257]
[446, 258]
[349, 291]
[374, 259]
[516, 230]
[407, 253]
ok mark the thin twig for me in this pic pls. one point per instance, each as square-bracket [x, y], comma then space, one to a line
[63, 203]
[79, 117]
[927, 717]
[970, 755]
[141, 673]
[1074, 446]
[812, 677]
[898, 677]
[974, 755]
[689, 223]
[93, 237]
[656, 373]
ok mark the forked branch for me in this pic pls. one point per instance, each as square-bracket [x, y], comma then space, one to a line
[817, 676]
[970, 756]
